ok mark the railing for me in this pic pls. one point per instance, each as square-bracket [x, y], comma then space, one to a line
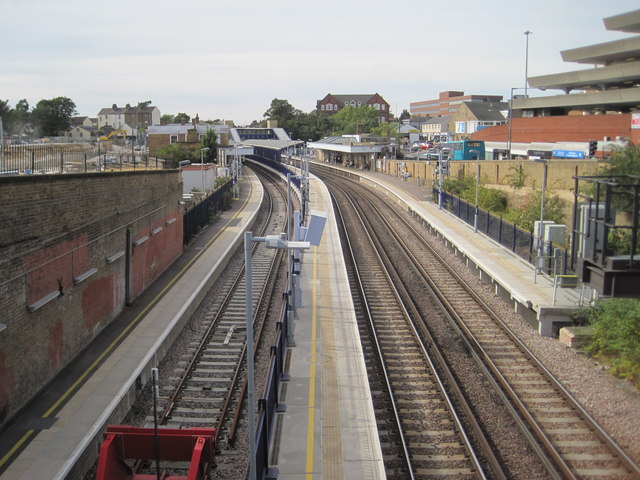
[198, 215]
[269, 405]
[522, 243]
[70, 158]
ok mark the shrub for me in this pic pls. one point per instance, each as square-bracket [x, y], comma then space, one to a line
[616, 336]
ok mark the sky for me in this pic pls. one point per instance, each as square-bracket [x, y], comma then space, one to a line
[229, 60]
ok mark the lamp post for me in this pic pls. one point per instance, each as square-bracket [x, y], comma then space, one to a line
[511, 118]
[541, 224]
[526, 61]
[290, 308]
[202, 150]
[440, 160]
[270, 241]
[475, 217]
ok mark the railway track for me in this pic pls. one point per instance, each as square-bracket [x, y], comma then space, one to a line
[204, 383]
[436, 444]
[563, 438]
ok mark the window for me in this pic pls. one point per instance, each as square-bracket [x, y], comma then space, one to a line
[382, 107]
[173, 139]
[322, 107]
[329, 106]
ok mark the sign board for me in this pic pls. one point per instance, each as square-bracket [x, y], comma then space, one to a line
[539, 153]
[635, 121]
[568, 154]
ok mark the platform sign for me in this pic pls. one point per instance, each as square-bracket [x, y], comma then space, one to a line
[568, 154]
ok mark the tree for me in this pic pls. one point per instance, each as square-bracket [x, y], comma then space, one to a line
[53, 117]
[166, 119]
[6, 114]
[21, 117]
[210, 140]
[387, 130]
[352, 120]
[625, 161]
[405, 115]
[144, 104]
[174, 153]
[182, 118]
[282, 111]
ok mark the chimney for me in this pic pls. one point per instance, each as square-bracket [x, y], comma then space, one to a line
[114, 107]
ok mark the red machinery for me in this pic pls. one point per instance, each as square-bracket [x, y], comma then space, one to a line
[197, 445]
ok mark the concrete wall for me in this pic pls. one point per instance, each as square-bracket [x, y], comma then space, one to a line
[73, 250]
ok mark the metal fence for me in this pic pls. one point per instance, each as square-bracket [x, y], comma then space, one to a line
[198, 215]
[70, 158]
[270, 404]
[556, 260]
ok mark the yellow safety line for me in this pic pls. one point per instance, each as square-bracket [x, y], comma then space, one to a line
[18, 444]
[113, 344]
[312, 372]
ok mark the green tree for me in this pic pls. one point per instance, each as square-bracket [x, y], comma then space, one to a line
[210, 140]
[625, 161]
[282, 111]
[174, 153]
[182, 118]
[6, 114]
[387, 130]
[287, 116]
[405, 115]
[144, 104]
[352, 120]
[529, 213]
[21, 117]
[166, 119]
[53, 117]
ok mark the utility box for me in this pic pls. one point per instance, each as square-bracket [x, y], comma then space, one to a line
[555, 233]
[537, 232]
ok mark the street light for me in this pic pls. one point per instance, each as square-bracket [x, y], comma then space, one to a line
[511, 118]
[270, 241]
[541, 224]
[440, 160]
[475, 217]
[202, 150]
[526, 62]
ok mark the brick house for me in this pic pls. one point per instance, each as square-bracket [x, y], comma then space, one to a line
[83, 129]
[188, 134]
[128, 118]
[332, 104]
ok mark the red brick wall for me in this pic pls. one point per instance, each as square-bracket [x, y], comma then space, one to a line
[54, 229]
[562, 129]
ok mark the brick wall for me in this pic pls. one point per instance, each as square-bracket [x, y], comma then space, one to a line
[67, 239]
[580, 128]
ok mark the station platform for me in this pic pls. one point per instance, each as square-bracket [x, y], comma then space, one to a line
[52, 437]
[534, 297]
[328, 429]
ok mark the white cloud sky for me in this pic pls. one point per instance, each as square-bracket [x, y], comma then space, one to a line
[228, 60]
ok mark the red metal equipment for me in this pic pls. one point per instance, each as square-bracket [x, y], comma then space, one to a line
[197, 445]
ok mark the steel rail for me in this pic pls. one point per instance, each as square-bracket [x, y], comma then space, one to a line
[396, 286]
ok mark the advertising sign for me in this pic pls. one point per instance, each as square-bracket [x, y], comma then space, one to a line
[568, 154]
